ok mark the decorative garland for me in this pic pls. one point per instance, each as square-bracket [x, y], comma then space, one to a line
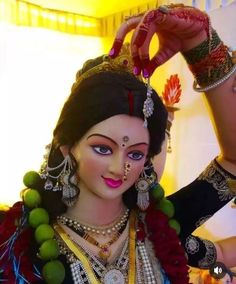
[15, 265]
[167, 246]
[163, 232]
[16, 234]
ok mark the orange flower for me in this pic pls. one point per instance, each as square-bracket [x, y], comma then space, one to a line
[172, 92]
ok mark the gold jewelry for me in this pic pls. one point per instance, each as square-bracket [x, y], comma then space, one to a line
[78, 253]
[112, 228]
[127, 170]
[104, 252]
[84, 260]
[215, 84]
[122, 64]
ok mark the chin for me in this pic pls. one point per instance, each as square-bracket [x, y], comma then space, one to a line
[111, 194]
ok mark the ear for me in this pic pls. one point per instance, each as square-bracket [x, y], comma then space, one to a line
[65, 150]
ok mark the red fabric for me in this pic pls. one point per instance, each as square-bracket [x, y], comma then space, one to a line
[20, 248]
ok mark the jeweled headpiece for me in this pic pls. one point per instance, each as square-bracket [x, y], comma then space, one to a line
[122, 64]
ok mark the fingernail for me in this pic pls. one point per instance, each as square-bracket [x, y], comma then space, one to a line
[136, 70]
[112, 52]
[145, 73]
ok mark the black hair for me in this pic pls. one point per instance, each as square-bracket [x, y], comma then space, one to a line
[95, 99]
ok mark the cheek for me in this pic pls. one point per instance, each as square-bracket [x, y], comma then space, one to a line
[90, 165]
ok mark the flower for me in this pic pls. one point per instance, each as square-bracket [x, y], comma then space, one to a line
[172, 91]
[167, 246]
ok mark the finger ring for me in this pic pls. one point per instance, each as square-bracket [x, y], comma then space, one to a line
[164, 9]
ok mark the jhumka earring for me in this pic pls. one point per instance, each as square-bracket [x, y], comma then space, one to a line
[143, 185]
[65, 181]
[127, 170]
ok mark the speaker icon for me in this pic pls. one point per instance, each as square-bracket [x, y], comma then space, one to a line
[218, 270]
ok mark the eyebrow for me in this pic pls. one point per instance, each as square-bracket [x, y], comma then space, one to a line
[106, 137]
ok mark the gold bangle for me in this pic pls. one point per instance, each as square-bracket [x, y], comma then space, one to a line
[215, 84]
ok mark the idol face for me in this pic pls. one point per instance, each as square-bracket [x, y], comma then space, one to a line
[103, 152]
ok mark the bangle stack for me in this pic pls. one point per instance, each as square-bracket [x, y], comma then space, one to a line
[215, 84]
[211, 63]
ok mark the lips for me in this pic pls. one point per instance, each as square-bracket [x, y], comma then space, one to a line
[112, 183]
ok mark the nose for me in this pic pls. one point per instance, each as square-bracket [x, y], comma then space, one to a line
[116, 166]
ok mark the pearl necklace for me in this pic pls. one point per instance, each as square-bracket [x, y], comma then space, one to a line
[114, 227]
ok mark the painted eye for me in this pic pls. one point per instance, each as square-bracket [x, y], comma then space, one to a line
[102, 149]
[136, 155]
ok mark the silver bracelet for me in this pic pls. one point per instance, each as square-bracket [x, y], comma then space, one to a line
[216, 84]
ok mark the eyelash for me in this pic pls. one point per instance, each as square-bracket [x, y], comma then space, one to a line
[108, 151]
[97, 149]
[141, 155]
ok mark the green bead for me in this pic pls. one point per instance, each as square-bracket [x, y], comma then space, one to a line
[49, 250]
[175, 225]
[158, 192]
[31, 198]
[43, 232]
[31, 179]
[166, 207]
[53, 272]
[234, 201]
[37, 217]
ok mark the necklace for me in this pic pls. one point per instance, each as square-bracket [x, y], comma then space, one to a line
[102, 230]
[111, 275]
[104, 252]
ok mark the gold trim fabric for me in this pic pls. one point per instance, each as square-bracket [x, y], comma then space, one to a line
[220, 180]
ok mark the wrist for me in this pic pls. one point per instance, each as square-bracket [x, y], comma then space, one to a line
[210, 62]
[194, 42]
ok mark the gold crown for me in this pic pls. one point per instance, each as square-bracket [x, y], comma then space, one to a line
[121, 64]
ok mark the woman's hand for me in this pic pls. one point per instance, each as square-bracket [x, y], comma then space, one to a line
[178, 27]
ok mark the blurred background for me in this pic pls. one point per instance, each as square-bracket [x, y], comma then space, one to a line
[42, 45]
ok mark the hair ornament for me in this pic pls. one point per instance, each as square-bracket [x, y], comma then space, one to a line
[148, 105]
[121, 64]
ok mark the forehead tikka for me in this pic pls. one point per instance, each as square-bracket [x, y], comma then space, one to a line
[148, 105]
[125, 139]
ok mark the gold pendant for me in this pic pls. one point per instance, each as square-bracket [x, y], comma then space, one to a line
[104, 253]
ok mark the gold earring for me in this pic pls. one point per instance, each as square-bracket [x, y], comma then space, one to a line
[127, 170]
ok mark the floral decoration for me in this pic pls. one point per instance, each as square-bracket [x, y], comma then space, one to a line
[172, 91]
[15, 238]
[168, 248]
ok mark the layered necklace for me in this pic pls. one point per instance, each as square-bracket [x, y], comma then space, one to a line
[83, 230]
[86, 268]
[135, 262]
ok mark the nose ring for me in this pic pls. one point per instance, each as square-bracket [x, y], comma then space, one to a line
[127, 167]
